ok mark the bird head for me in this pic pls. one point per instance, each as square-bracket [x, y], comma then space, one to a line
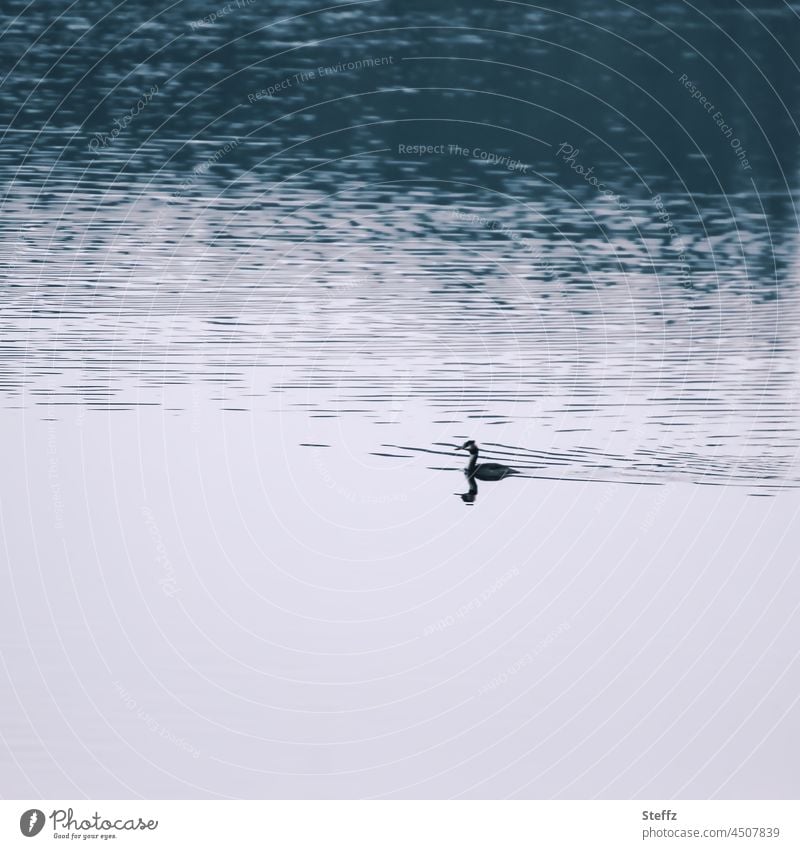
[469, 445]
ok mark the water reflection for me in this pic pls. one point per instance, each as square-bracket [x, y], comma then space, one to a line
[472, 493]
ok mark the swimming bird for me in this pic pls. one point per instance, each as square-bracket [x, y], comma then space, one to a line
[484, 471]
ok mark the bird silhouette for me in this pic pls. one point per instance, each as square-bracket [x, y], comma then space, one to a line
[483, 471]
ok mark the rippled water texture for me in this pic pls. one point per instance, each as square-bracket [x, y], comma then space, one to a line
[265, 266]
[290, 252]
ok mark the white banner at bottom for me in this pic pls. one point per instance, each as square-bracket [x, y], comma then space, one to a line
[403, 824]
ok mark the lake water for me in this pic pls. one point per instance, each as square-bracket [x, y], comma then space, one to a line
[265, 266]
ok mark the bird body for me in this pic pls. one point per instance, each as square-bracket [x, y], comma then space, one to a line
[492, 471]
[484, 471]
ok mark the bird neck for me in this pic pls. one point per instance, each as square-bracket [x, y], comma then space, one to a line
[473, 460]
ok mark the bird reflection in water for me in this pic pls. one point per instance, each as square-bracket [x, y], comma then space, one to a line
[476, 471]
[469, 497]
